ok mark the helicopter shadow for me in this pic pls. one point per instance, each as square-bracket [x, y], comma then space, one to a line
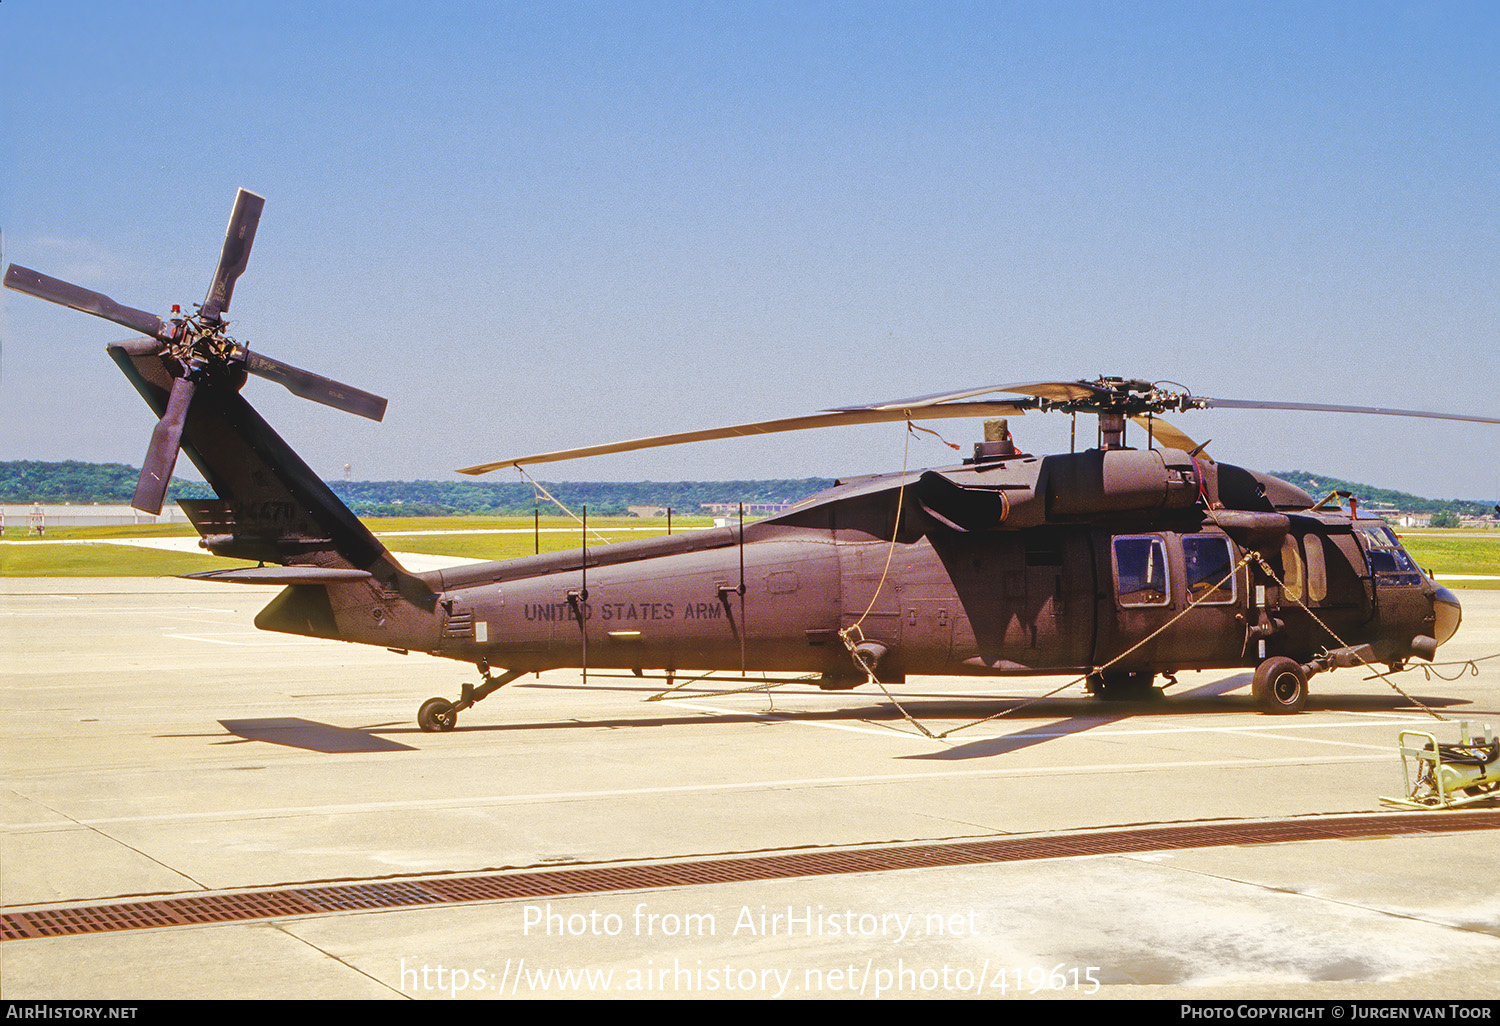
[1042, 733]
[309, 735]
[876, 711]
[1208, 698]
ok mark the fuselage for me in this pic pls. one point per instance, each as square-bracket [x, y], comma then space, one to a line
[1191, 588]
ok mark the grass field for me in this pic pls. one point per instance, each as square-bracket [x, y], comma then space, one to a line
[380, 525]
[117, 531]
[1456, 552]
[44, 557]
[414, 534]
[1442, 552]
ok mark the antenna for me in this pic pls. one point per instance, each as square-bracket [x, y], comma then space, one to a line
[579, 599]
[583, 597]
[741, 589]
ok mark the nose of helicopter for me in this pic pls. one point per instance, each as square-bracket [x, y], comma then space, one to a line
[1448, 614]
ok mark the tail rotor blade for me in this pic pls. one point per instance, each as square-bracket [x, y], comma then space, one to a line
[161, 456]
[315, 387]
[54, 290]
[235, 255]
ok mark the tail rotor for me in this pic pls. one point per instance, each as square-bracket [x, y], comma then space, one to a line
[198, 350]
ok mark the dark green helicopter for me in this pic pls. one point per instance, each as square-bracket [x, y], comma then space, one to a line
[1115, 563]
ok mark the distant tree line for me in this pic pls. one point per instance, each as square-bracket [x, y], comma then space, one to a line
[82, 483]
[28, 481]
[606, 498]
[1319, 485]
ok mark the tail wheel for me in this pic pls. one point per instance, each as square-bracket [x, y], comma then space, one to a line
[437, 714]
[1279, 686]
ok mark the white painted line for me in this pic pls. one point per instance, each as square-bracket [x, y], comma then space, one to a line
[479, 801]
[1318, 741]
[884, 732]
[211, 641]
[216, 621]
[255, 640]
[1095, 731]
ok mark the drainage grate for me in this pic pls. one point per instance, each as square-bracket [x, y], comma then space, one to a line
[304, 901]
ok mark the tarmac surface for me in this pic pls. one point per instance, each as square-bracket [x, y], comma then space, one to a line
[156, 746]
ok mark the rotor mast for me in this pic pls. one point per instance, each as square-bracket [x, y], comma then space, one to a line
[1111, 430]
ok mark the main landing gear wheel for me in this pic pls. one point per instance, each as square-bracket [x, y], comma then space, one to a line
[1121, 686]
[1279, 686]
[437, 714]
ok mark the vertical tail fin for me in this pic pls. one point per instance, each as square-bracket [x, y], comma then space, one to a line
[271, 507]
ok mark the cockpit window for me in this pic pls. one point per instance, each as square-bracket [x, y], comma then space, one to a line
[1207, 563]
[1384, 551]
[1141, 571]
[1317, 568]
[1292, 574]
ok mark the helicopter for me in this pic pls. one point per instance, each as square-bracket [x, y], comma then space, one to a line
[1112, 563]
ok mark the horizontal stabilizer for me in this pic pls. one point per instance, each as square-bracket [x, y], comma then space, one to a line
[282, 575]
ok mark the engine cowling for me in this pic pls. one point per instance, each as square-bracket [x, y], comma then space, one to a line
[1086, 484]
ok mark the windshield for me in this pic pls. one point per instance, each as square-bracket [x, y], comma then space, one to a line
[1384, 551]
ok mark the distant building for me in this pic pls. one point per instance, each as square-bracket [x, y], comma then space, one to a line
[646, 511]
[49, 515]
[1396, 518]
[724, 509]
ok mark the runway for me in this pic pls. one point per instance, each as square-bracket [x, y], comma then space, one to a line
[157, 748]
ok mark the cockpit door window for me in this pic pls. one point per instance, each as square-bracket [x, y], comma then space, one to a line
[1207, 562]
[1141, 571]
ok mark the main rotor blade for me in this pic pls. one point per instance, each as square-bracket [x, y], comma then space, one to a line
[314, 386]
[1256, 404]
[235, 255]
[54, 290]
[1059, 391]
[161, 455]
[828, 418]
[1169, 436]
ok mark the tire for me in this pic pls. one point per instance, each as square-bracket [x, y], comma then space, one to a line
[1122, 686]
[1279, 686]
[437, 714]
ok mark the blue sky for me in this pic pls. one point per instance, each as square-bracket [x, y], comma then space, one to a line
[536, 226]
